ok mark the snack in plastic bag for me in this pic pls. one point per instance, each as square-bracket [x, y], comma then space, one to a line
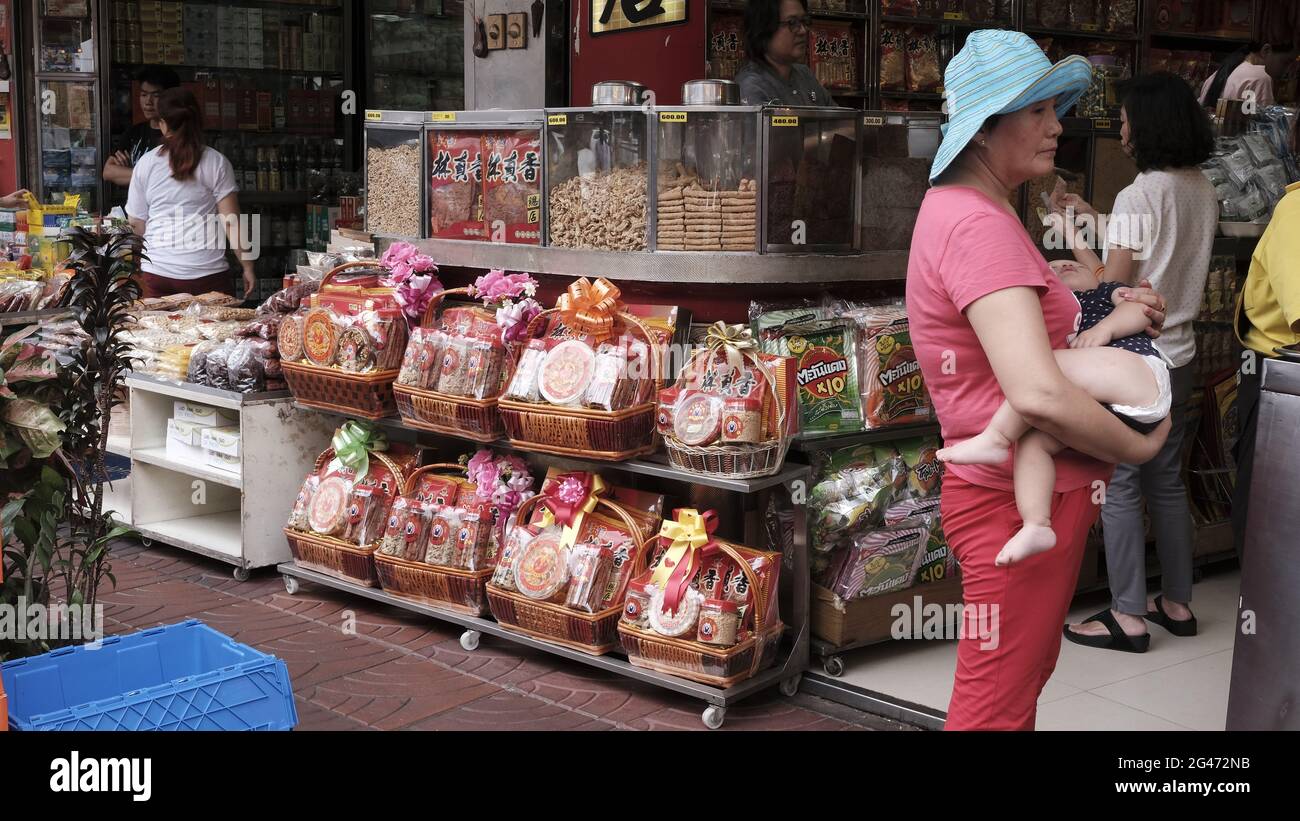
[682, 620]
[441, 549]
[217, 365]
[356, 351]
[609, 383]
[524, 385]
[590, 567]
[923, 74]
[365, 516]
[882, 561]
[197, 371]
[287, 300]
[267, 327]
[409, 373]
[826, 373]
[893, 390]
[289, 338]
[327, 513]
[453, 379]
[893, 59]
[483, 369]
[298, 514]
[517, 539]
[542, 568]
[472, 539]
[246, 370]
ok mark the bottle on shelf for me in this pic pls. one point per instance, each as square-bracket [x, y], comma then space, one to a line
[273, 172]
[263, 171]
[250, 169]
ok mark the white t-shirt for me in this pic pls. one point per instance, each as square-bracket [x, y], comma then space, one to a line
[183, 239]
[1245, 77]
[1169, 218]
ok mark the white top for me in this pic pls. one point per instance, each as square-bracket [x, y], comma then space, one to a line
[1168, 219]
[1244, 78]
[182, 237]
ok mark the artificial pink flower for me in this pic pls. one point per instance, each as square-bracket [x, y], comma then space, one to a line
[497, 286]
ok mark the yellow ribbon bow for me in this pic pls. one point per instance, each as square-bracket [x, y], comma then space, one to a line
[736, 342]
[688, 534]
[588, 308]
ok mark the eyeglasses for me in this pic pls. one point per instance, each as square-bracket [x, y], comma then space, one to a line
[796, 24]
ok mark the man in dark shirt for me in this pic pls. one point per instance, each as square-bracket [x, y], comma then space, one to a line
[141, 138]
[776, 36]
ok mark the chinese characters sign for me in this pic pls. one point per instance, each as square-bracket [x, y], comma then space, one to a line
[623, 15]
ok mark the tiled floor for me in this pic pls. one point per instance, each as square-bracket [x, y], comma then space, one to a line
[358, 665]
[1179, 684]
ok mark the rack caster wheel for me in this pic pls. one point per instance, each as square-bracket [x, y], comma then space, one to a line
[469, 640]
[834, 666]
[241, 574]
[714, 716]
[791, 686]
[290, 585]
[147, 542]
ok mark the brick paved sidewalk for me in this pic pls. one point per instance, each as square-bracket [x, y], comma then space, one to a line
[404, 671]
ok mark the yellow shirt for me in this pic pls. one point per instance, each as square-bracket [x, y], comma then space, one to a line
[1268, 309]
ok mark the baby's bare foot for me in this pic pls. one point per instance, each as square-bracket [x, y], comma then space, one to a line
[987, 448]
[1031, 540]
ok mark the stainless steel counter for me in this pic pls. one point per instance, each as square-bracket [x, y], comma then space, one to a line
[1265, 691]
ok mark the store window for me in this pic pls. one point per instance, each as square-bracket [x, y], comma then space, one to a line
[415, 55]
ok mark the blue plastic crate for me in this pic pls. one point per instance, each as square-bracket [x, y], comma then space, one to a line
[183, 676]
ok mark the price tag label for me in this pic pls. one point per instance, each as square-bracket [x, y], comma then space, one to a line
[873, 120]
[1101, 124]
[954, 15]
[442, 116]
[557, 119]
[374, 116]
[672, 116]
[784, 121]
[1090, 27]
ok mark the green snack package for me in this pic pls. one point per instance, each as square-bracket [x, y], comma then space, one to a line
[937, 561]
[924, 470]
[827, 373]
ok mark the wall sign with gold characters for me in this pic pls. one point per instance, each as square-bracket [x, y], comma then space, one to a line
[612, 16]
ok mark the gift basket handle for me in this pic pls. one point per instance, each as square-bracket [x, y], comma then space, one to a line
[409, 487]
[361, 263]
[426, 320]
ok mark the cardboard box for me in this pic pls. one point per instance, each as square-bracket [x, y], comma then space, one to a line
[221, 461]
[183, 442]
[204, 416]
[224, 440]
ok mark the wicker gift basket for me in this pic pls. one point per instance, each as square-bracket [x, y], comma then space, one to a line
[759, 633]
[594, 633]
[592, 309]
[463, 416]
[338, 557]
[367, 394]
[749, 435]
[455, 588]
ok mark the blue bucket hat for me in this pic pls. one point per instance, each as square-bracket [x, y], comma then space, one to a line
[998, 72]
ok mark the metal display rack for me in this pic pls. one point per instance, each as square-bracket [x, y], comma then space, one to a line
[792, 657]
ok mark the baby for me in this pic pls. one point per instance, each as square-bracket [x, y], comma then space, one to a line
[1111, 358]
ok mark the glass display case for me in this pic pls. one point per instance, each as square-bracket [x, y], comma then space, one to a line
[415, 54]
[897, 149]
[65, 37]
[707, 196]
[598, 188]
[809, 192]
[485, 175]
[394, 173]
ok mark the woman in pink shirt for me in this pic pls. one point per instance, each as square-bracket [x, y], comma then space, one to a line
[986, 314]
[1249, 73]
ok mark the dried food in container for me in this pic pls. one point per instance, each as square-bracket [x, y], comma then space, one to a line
[590, 567]
[327, 513]
[541, 569]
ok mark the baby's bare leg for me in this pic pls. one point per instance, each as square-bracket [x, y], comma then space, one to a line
[992, 445]
[1110, 375]
[1035, 481]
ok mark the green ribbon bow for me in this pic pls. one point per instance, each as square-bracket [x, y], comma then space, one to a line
[352, 445]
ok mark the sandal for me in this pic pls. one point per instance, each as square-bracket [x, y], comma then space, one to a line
[1179, 627]
[1117, 640]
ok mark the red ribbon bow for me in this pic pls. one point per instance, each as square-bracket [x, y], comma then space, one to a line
[685, 539]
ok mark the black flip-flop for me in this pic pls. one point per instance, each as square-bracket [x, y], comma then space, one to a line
[1117, 640]
[1179, 627]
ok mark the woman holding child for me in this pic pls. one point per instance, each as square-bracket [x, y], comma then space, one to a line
[991, 322]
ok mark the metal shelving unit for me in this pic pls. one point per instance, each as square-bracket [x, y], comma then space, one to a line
[793, 655]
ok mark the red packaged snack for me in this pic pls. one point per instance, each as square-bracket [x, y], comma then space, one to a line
[443, 529]
[893, 60]
[456, 186]
[666, 413]
[923, 74]
[438, 490]
[590, 567]
[472, 540]
[512, 197]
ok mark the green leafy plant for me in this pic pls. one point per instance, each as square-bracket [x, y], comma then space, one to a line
[54, 435]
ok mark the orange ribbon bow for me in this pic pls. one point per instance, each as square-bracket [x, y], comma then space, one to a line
[590, 309]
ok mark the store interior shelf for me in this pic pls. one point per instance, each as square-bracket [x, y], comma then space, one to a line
[213, 534]
[654, 465]
[119, 445]
[158, 456]
[267, 70]
[273, 197]
[863, 437]
[28, 317]
[117, 498]
[202, 393]
[848, 93]
[912, 95]
[284, 5]
[667, 266]
[1081, 34]
[963, 21]
[713, 695]
[1212, 39]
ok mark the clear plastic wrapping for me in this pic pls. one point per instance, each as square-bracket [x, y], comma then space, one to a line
[590, 567]
[301, 504]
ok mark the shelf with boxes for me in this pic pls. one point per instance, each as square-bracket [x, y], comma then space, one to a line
[211, 469]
